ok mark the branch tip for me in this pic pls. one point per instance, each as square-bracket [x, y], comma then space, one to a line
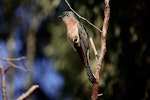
[28, 93]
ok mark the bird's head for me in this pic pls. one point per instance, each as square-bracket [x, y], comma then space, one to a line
[67, 15]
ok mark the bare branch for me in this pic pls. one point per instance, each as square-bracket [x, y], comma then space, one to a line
[13, 59]
[94, 49]
[28, 93]
[7, 68]
[15, 66]
[100, 94]
[4, 94]
[82, 17]
[103, 49]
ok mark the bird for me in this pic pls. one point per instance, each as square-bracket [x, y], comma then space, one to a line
[78, 38]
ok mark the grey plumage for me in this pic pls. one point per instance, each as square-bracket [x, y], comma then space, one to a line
[83, 51]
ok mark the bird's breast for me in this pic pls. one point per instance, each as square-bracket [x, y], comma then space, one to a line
[72, 34]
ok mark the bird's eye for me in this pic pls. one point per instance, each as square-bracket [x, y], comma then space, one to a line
[67, 14]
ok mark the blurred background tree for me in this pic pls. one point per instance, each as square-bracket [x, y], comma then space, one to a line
[31, 28]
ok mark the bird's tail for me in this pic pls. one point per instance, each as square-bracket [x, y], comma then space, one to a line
[89, 73]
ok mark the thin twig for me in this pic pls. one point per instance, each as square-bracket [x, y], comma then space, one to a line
[15, 66]
[4, 93]
[103, 49]
[13, 59]
[28, 93]
[81, 16]
[94, 49]
[7, 68]
[12, 64]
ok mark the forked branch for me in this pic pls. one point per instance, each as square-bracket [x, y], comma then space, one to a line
[3, 72]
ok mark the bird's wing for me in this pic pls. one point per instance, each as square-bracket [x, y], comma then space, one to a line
[84, 43]
[83, 51]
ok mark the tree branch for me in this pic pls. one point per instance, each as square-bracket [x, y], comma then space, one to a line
[4, 94]
[82, 17]
[10, 60]
[13, 59]
[14, 66]
[103, 49]
[94, 49]
[28, 93]
[3, 72]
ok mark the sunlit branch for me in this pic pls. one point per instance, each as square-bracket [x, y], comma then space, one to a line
[103, 49]
[94, 49]
[28, 93]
